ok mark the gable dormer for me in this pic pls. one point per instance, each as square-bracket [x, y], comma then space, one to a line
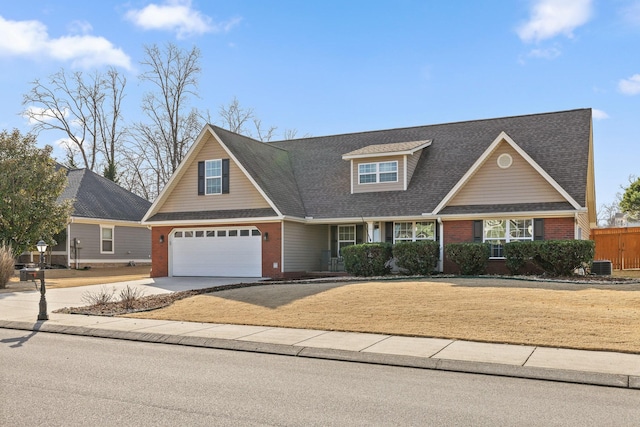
[384, 167]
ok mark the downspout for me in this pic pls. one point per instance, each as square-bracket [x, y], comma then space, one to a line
[441, 260]
[575, 225]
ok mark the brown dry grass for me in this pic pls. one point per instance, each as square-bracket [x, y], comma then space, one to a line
[70, 278]
[585, 316]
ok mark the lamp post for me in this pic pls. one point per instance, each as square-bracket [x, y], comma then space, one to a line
[42, 315]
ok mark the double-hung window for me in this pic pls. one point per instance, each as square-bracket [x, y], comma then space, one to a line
[372, 173]
[414, 231]
[213, 176]
[497, 232]
[106, 240]
[346, 237]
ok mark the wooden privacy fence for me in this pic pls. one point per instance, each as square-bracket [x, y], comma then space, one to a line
[621, 246]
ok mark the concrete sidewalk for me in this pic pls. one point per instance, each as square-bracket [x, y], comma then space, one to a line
[19, 311]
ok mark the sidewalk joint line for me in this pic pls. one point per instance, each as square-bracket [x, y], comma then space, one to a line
[529, 357]
[441, 350]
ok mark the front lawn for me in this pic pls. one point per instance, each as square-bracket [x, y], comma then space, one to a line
[572, 315]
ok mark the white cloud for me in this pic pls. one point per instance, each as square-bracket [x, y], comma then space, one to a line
[22, 37]
[599, 114]
[178, 16]
[80, 27]
[630, 86]
[88, 51]
[30, 39]
[550, 53]
[550, 18]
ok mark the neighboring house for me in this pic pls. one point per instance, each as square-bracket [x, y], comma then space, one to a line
[624, 220]
[104, 228]
[239, 207]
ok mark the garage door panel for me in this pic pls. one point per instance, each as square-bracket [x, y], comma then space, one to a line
[231, 256]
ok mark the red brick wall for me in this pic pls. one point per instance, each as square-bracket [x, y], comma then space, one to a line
[462, 231]
[559, 228]
[160, 251]
[456, 232]
[271, 249]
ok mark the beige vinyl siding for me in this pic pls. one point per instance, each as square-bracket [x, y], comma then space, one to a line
[583, 223]
[520, 183]
[303, 246]
[385, 186]
[412, 162]
[242, 193]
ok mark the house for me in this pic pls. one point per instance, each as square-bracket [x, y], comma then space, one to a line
[239, 207]
[624, 220]
[104, 229]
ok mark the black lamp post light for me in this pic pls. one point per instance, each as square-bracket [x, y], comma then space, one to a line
[42, 315]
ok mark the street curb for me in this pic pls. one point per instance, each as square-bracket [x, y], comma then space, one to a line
[485, 368]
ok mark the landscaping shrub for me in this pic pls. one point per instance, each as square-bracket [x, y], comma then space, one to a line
[562, 257]
[472, 258]
[100, 297]
[368, 259]
[6, 265]
[517, 254]
[129, 295]
[417, 258]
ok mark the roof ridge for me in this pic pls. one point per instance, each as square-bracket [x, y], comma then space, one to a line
[264, 143]
[427, 125]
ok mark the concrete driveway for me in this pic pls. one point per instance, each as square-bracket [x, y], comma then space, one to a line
[23, 306]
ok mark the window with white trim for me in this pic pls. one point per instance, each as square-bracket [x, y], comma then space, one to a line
[412, 231]
[213, 176]
[378, 172]
[497, 232]
[106, 239]
[346, 237]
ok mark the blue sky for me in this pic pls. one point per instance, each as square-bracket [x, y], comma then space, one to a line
[328, 67]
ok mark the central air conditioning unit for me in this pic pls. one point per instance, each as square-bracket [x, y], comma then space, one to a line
[601, 268]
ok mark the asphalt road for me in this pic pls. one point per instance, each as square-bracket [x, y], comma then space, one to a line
[55, 380]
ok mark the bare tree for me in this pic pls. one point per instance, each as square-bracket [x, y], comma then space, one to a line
[87, 109]
[244, 121]
[111, 134]
[234, 117]
[293, 134]
[172, 125]
[606, 215]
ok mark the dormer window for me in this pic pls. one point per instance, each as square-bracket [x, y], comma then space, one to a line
[372, 173]
[384, 167]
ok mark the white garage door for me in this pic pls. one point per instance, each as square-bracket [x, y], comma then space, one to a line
[222, 252]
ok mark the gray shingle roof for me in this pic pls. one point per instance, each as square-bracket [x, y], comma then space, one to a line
[308, 177]
[97, 197]
[387, 148]
[235, 213]
[270, 167]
